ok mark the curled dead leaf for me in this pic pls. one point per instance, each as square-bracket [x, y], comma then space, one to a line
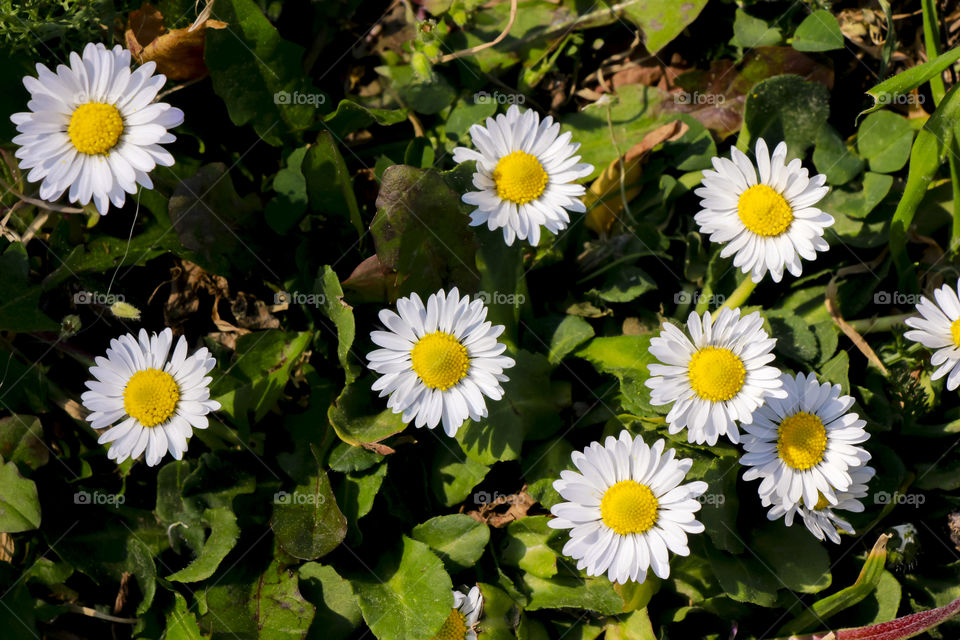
[517, 506]
[177, 52]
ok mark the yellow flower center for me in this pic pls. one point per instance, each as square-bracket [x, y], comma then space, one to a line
[955, 332]
[151, 396]
[629, 507]
[822, 502]
[801, 440]
[95, 128]
[716, 374]
[764, 211]
[440, 360]
[454, 627]
[520, 177]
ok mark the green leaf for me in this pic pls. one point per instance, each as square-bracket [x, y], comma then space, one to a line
[884, 139]
[19, 302]
[626, 284]
[858, 204]
[355, 494]
[454, 475]
[832, 157]
[500, 614]
[224, 533]
[409, 596]
[836, 371]
[744, 578]
[426, 96]
[457, 539]
[256, 72]
[307, 521]
[338, 613]
[593, 594]
[19, 503]
[888, 91]
[21, 441]
[819, 31]
[350, 116]
[288, 206]
[528, 545]
[181, 623]
[750, 32]
[351, 417]
[626, 357]
[805, 569]
[420, 229]
[329, 187]
[569, 334]
[784, 108]
[341, 314]
[721, 504]
[661, 20]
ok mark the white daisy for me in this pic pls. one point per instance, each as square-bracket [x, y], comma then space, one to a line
[714, 378]
[526, 175]
[462, 622]
[439, 360]
[803, 446]
[823, 520]
[627, 508]
[769, 224]
[938, 328]
[93, 127]
[154, 402]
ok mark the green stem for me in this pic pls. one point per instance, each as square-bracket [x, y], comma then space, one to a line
[879, 325]
[706, 295]
[740, 294]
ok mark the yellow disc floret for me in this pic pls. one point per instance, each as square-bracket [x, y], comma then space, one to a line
[716, 374]
[151, 396]
[764, 211]
[801, 440]
[629, 507]
[440, 360]
[95, 128]
[520, 177]
[454, 627]
[955, 332]
[822, 502]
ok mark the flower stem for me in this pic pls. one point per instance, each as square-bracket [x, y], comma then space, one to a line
[878, 325]
[740, 295]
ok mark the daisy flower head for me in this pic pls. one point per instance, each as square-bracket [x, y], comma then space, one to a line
[769, 220]
[462, 621]
[93, 127]
[823, 521]
[938, 328]
[626, 508]
[716, 376]
[526, 173]
[438, 360]
[804, 446]
[150, 399]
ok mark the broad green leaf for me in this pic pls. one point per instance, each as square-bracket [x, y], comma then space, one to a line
[457, 539]
[855, 203]
[19, 503]
[501, 614]
[329, 187]
[836, 371]
[466, 113]
[542, 466]
[347, 457]
[593, 594]
[819, 31]
[350, 116]
[181, 623]
[307, 521]
[888, 91]
[454, 475]
[290, 203]
[626, 284]
[409, 595]
[744, 578]
[338, 613]
[787, 108]
[721, 504]
[881, 605]
[353, 421]
[569, 334]
[426, 96]
[832, 157]
[626, 357]
[805, 569]
[661, 20]
[224, 533]
[529, 543]
[20, 302]
[21, 441]
[356, 492]
[636, 626]
[884, 139]
[341, 314]
[256, 72]
[750, 32]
